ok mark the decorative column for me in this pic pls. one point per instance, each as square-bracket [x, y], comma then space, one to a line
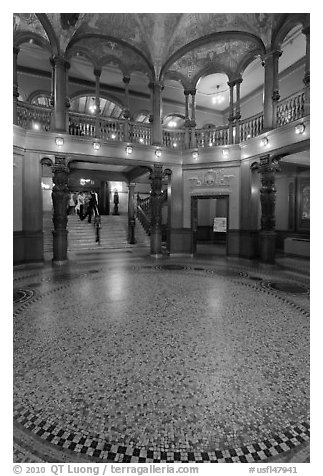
[187, 119]
[131, 214]
[60, 197]
[275, 95]
[231, 112]
[126, 113]
[52, 99]
[67, 99]
[157, 134]
[271, 92]
[97, 74]
[193, 122]
[156, 216]
[237, 110]
[267, 168]
[15, 85]
[60, 67]
[306, 79]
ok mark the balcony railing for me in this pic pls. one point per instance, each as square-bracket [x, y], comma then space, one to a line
[290, 109]
[33, 117]
[174, 138]
[211, 137]
[251, 127]
[38, 117]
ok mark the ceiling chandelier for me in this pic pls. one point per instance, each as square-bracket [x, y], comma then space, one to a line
[217, 97]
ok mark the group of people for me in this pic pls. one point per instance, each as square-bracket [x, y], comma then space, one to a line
[85, 204]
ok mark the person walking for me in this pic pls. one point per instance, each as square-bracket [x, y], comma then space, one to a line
[92, 208]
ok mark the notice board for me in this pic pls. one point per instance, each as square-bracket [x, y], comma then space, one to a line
[220, 225]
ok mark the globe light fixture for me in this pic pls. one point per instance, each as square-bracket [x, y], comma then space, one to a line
[300, 128]
[129, 149]
[59, 141]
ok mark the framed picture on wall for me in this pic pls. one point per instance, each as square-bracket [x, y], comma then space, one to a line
[303, 205]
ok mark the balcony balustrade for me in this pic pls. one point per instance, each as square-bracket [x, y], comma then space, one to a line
[139, 133]
[33, 117]
[174, 138]
[251, 127]
[290, 109]
[39, 118]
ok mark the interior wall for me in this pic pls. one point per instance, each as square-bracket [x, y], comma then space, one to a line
[212, 181]
[17, 192]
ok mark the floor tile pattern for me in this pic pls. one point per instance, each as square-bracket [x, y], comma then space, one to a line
[160, 363]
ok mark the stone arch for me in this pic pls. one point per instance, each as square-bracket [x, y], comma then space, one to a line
[81, 51]
[26, 36]
[37, 93]
[238, 35]
[292, 21]
[103, 94]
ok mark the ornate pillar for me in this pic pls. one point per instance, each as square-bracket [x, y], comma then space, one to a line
[187, 119]
[97, 74]
[126, 113]
[271, 92]
[237, 110]
[275, 95]
[131, 214]
[306, 79]
[156, 215]
[60, 197]
[60, 67]
[193, 122]
[231, 112]
[267, 168]
[157, 134]
[15, 85]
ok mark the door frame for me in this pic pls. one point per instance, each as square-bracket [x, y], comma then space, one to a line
[194, 216]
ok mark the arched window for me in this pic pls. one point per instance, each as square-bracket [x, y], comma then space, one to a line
[87, 105]
[141, 116]
[41, 100]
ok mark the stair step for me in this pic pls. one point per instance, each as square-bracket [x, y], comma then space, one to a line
[81, 234]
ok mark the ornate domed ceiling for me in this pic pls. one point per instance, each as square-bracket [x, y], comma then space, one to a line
[159, 46]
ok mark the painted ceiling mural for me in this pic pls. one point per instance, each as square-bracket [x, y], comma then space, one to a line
[28, 22]
[107, 51]
[156, 36]
[196, 25]
[225, 54]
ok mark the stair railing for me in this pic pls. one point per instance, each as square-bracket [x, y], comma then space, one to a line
[144, 212]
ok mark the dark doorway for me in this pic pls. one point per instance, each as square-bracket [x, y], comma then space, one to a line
[209, 223]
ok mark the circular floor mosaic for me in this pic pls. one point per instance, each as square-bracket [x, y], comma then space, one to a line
[163, 364]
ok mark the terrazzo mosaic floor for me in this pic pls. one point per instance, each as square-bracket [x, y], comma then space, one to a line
[137, 360]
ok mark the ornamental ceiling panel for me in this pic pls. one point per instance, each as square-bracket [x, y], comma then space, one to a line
[196, 25]
[65, 25]
[28, 22]
[123, 26]
[106, 51]
[224, 55]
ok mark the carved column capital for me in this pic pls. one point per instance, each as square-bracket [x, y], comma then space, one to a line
[59, 61]
[97, 72]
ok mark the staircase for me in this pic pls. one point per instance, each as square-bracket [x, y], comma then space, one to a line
[81, 234]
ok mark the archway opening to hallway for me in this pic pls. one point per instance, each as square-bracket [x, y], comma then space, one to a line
[209, 223]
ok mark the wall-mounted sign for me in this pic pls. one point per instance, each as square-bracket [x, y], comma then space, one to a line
[220, 225]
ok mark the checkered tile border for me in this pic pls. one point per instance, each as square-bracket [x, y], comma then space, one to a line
[99, 449]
